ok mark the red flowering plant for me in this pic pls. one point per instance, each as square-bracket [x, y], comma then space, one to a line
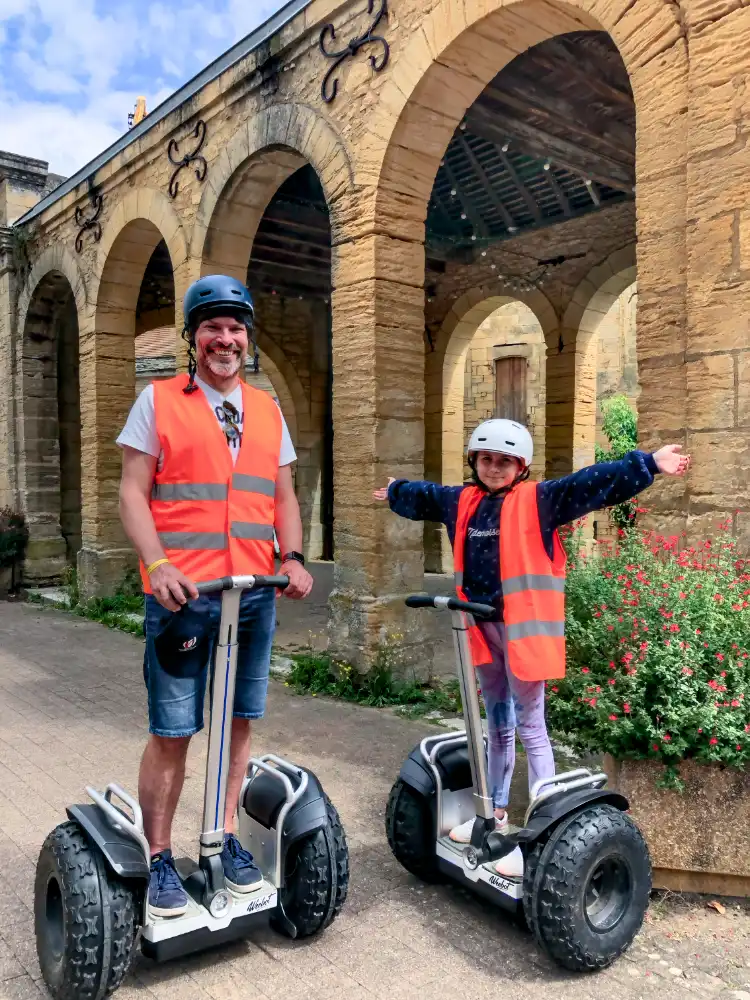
[658, 651]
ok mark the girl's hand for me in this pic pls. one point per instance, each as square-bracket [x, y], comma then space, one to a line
[669, 460]
[383, 493]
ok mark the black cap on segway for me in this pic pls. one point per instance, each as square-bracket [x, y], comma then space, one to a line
[183, 646]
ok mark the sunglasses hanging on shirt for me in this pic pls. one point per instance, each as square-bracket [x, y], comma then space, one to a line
[230, 419]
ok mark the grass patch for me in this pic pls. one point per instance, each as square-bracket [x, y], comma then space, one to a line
[114, 612]
[316, 674]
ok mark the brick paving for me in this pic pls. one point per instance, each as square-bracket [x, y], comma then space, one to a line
[72, 712]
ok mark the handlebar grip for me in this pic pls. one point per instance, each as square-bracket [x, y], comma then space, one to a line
[472, 608]
[420, 601]
[282, 582]
[213, 586]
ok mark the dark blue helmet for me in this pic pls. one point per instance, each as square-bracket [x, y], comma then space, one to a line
[215, 295]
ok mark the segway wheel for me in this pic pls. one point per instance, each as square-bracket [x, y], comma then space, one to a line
[587, 889]
[86, 920]
[316, 877]
[410, 829]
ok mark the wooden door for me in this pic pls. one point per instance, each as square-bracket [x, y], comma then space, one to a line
[510, 389]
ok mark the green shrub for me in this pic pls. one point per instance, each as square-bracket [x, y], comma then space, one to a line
[658, 641]
[620, 427]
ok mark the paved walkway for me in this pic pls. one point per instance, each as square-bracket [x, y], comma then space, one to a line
[72, 712]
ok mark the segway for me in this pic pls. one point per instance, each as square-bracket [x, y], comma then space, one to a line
[90, 905]
[587, 872]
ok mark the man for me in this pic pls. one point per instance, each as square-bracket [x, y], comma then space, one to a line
[206, 482]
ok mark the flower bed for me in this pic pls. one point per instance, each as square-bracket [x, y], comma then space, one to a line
[658, 642]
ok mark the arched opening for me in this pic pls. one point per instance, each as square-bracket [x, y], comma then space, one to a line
[136, 290]
[51, 430]
[536, 186]
[271, 227]
[489, 360]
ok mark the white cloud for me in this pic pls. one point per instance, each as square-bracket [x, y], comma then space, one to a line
[68, 80]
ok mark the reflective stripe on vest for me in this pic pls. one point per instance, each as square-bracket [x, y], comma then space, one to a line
[533, 586]
[213, 491]
[214, 517]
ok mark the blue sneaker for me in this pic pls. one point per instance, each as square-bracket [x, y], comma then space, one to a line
[166, 897]
[240, 871]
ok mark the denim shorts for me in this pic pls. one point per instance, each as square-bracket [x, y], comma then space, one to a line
[175, 704]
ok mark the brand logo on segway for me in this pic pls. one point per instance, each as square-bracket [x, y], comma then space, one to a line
[499, 883]
[259, 904]
[189, 644]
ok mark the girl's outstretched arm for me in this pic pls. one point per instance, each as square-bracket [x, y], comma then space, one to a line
[606, 484]
[421, 501]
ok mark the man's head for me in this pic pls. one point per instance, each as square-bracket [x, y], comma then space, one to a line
[219, 316]
[500, 453]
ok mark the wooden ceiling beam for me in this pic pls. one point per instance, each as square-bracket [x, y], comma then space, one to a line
[562, 198]
[466, 203]
[527, 196]
[617, 138]
[535, 142]
[508, 221]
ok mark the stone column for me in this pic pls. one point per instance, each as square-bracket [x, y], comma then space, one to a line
[378, 414]
[107, 367]
[718, 276]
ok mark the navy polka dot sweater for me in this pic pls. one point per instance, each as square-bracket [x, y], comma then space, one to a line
[560, 501]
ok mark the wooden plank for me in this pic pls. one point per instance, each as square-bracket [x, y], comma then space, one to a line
[508, 220]
[558, 116]
[466, 204]
[559, 193]
[527, 196]
[535, 142]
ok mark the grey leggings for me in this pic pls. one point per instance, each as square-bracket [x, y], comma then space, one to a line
[512, 704]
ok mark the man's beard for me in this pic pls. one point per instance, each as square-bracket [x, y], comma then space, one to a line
[223, 367]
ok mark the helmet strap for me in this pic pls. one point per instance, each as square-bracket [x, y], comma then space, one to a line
[189, 339]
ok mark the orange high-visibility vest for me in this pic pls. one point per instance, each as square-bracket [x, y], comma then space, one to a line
[214, 518]
[533, 586]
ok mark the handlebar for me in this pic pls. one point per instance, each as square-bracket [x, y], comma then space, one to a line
[482, 611]
[242, 583]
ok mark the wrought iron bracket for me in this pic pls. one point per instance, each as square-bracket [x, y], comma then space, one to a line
[92, 223]
[199, 133]
[330, 86]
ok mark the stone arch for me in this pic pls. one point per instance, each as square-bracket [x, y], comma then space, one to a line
[59, 259]
[458, 50]
[49, 431]
[248, 172]
[591, 300]
[138, 224]
[444, 383]
[288, 388]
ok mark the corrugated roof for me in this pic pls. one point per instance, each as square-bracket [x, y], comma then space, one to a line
[158, 343]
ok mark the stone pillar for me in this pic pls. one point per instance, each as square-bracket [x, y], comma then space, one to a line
[107, 366]
[8, 292]
[378, 414]
[718, 276]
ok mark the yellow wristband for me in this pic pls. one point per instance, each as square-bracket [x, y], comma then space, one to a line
[152, 567]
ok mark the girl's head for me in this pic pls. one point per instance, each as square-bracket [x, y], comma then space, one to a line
[500, 453]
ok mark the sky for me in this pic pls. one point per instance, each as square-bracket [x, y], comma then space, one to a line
[70, 73]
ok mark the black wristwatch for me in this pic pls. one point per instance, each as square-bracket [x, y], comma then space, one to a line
[297, 556]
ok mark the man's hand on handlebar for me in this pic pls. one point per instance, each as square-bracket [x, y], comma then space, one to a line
[382, 494]
[171, 588]
[300, 581]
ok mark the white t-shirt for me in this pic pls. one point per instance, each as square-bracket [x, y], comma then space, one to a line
[139, 431]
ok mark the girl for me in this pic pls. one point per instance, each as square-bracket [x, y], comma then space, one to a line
[507, 553]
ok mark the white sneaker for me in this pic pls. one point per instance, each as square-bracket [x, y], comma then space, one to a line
[511, 866]
[462, 834]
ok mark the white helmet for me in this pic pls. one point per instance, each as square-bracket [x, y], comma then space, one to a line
[505, 437]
